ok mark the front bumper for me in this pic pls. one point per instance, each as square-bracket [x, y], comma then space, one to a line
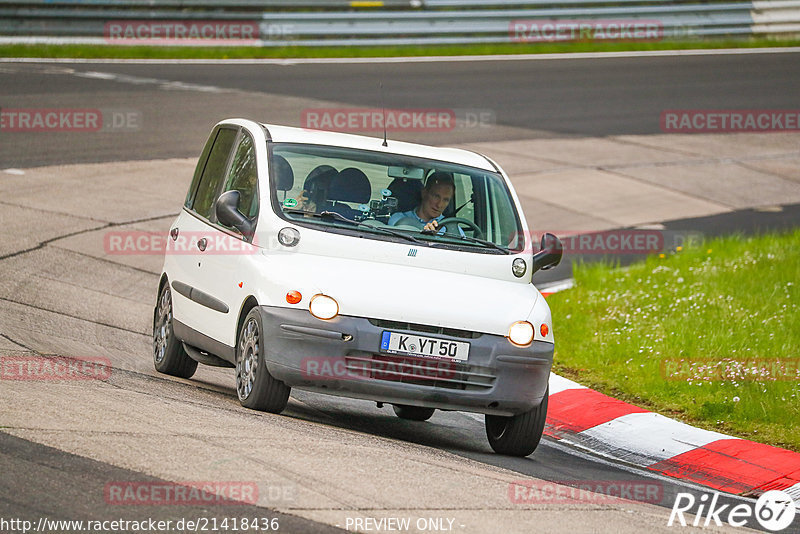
[342, 357]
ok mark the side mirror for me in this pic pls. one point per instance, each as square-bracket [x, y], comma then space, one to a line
[227, 209]
[550, 254]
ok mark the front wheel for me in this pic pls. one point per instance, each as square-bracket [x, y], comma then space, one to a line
[518, 435]
[256, 388]
[169, 356]
[412, 413]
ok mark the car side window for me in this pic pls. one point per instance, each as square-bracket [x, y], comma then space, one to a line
[198, 170]
[243, 176]
[213, 173]
[502, 224]
[463, 197]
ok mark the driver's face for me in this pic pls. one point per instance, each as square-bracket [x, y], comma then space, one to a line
[434, 201]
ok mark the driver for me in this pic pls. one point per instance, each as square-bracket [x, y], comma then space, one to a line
[436, 196]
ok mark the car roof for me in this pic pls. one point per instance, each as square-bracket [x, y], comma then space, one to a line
[288, 134]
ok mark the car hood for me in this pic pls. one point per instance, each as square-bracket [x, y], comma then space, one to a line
[380, 290]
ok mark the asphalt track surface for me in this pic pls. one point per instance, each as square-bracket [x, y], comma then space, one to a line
[529, 99]
[537, 99]
[40, 481]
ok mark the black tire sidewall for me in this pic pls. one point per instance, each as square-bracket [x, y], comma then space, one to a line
[521, 433]
[250, 401]
[175, 362]
[267, 393]
[413, 413]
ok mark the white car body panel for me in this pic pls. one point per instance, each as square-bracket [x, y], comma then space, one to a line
[369, 278]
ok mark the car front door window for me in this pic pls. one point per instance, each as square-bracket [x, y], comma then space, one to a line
[243, 177]
[213, 174]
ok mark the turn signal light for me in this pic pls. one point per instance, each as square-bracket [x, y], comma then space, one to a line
[293, 297]
[544, 330]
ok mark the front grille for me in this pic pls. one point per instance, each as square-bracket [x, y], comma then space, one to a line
[420, 371]
[428, 329]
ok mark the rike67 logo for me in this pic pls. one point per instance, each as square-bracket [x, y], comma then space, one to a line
[774, 510]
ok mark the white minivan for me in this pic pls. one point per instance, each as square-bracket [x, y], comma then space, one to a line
[349, 265]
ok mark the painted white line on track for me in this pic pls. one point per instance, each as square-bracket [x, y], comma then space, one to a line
[646, 438]
[420, 59]
[794, 491]
[139, 80]
[168, 85]
[580, 451]
[472, 415]
[559, 384]
[585, 454]
[555, 287]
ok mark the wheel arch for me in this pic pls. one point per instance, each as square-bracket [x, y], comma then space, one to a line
[161, 283]
[249, 303]
[163, 280]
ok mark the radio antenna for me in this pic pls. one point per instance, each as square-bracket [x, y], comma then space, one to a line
[383, 108]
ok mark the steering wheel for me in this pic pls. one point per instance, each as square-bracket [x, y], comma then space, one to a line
[465, 222]
[409, 222]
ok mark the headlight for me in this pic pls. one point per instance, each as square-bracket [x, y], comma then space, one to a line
[288, 237]
[323, 307]
[518, 267]
[521, 333]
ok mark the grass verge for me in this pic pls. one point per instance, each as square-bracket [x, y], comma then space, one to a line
[708, 335]
[245, 52]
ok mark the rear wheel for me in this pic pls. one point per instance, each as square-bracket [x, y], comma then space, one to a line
[256, 388]
[168, 354]
[413, 413]
[518, 435]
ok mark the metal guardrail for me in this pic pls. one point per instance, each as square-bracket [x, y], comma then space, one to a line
[395, 22]
[217, 4]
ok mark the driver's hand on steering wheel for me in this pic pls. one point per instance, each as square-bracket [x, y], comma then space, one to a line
[430, 228]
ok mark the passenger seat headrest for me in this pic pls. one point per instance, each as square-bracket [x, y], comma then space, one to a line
[284, 176]
[350, 185]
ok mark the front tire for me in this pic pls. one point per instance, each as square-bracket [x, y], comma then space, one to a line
[518, 435]
[413, 413]
[255, 387]
[168, 354]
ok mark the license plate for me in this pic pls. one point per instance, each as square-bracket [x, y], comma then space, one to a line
[428, 347]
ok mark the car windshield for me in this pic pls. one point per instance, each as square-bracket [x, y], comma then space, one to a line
[390, 196]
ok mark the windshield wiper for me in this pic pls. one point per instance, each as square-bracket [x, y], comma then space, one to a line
[339, 217]
[481, 241]
[323, 215]
[404, 235]
[303, 212]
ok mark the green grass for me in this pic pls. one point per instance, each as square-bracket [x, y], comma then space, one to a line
[733, 299]
[244, 52]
